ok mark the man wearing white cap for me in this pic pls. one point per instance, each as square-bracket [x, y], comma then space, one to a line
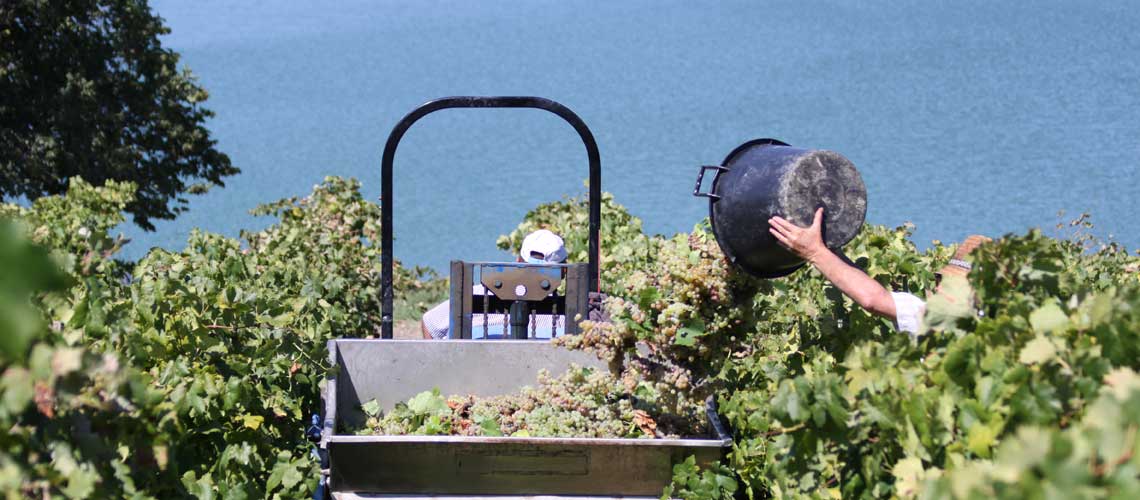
[539, 247]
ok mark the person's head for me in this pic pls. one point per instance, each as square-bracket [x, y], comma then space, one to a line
[961, 263]
[542, 247]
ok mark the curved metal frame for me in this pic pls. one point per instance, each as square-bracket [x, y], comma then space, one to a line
[481, 102]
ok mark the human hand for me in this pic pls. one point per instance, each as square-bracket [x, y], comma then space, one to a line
[807, 242]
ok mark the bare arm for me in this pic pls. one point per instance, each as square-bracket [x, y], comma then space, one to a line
[853, 282]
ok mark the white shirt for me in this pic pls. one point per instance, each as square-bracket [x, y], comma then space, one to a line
[437, 321]
[908, 312]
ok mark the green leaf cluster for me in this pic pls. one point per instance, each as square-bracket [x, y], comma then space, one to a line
[425, 414]
[1095, 457]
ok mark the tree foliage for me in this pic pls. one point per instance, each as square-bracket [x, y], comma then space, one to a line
[87, 90]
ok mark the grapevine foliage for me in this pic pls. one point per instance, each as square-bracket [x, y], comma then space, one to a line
[826, 400]
[191, 373]
[1095, 457]
[188, 373]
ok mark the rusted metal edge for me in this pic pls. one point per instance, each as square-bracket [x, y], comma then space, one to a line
[398, 496]
[680, 442]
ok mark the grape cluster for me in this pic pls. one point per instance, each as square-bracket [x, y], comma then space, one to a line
[583, 402]
[674, 322]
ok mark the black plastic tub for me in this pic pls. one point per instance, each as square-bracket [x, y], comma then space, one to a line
[766, 177]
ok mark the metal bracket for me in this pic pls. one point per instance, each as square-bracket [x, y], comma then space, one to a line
[501, 282]
[506, 281]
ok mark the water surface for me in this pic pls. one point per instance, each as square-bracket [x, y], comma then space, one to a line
[965, 116]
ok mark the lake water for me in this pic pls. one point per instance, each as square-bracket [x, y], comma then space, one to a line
[962, 116]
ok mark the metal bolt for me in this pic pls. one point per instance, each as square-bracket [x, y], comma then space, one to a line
[498, 284]
[545, 284]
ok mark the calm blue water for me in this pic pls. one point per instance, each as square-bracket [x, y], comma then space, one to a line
[963, 116]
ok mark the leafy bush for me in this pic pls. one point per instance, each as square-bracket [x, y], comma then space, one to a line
[1096, 457]
[73, 415]
[827, 400]
[192, 372]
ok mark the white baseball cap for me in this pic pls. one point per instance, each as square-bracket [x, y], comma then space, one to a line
[543, 247]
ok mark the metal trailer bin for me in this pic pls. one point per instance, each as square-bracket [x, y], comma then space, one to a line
[392, 371]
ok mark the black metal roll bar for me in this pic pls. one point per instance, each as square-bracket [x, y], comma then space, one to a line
[595, 195]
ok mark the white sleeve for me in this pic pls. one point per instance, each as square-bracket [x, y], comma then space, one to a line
[437, 320]
[908, 312]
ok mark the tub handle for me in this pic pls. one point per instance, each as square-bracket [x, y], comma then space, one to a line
[701, 177]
